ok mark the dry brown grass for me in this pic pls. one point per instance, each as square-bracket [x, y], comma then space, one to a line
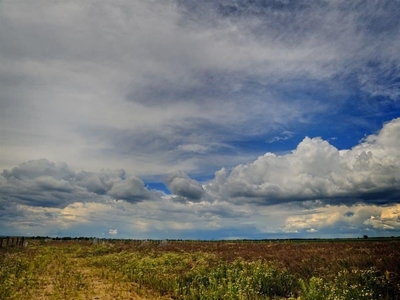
[304, 258]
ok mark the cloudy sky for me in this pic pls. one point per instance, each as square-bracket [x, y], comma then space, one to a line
[200, 119]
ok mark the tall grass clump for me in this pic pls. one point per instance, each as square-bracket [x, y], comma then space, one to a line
[199, 275]
[16, 276]
[238, 280]
[357, 284]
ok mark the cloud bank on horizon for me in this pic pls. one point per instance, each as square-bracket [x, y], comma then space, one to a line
[262, 118]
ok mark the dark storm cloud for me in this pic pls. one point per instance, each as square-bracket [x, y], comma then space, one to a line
[131, 189]
[183, 186]
[37, 168]
[48, 184]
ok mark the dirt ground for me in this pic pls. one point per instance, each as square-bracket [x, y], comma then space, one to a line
[94, 287]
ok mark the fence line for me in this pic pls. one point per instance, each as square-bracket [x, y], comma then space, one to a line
[11, 241]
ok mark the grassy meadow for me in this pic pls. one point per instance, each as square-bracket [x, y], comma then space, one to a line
[309, 270]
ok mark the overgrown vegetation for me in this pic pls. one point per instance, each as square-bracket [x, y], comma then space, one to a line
[40, 270]
[179, 270]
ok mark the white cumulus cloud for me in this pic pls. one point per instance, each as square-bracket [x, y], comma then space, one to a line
[316, 170]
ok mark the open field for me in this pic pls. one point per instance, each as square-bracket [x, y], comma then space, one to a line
[364, 269]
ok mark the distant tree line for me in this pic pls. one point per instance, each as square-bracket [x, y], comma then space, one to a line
[82, 238]
[66, 238]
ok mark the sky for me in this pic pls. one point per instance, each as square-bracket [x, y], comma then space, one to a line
[204, 119]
